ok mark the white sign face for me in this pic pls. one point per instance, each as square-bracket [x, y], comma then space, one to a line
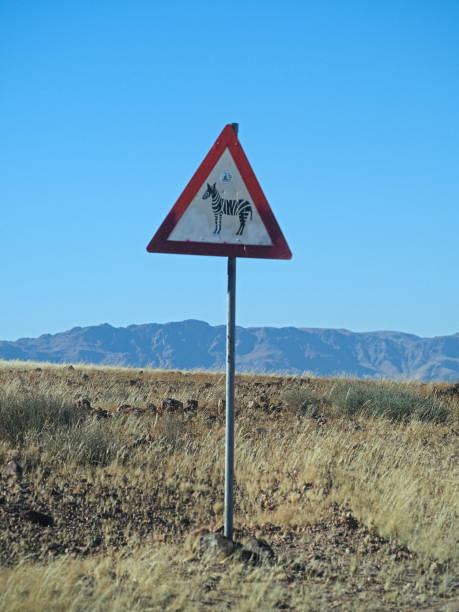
[222, 210]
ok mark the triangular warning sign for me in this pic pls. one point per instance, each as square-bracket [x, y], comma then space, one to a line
[222, 210]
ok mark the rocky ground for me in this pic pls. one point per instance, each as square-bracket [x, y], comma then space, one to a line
[163, 492]
[43, 521]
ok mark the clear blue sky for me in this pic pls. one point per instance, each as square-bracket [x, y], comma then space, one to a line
[348, 112]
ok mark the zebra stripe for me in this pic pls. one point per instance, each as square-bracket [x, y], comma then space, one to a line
[233, 208]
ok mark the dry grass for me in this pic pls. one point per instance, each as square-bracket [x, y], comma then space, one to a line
[361, 507]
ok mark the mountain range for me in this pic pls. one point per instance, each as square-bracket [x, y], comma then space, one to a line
[195, 344]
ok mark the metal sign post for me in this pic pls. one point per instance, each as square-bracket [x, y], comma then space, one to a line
[230, 370]
[223, 211]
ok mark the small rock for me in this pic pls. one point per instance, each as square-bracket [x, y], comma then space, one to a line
[13, 470]
[84, 403]
[252, 405]
[44, 520]
[124, 408]
[69, 367]
[349, 521]
[453, 389]
[128, 409]
[96, 542]
[217, 545]
[260, 549]
[310, 410]
[101, 414]
[171, 404]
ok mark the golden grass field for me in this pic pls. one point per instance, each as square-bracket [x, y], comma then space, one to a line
[354, 484]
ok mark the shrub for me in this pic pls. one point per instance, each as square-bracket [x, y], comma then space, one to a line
[301, 401]
[60, 427]
[382, 400]
[89, 442]
[23, 415]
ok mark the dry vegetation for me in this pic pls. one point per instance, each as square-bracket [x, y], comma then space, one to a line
[105, 492]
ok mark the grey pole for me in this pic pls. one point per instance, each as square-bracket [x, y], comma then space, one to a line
[230, 370]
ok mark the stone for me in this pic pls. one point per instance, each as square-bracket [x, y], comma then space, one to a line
[216, 545]
[101, 414]
[96, 542]
[44, 520]
[13, 470]
[124, 408]
[84, 403]
[453, 389]
[310, 410]
[171, 404]
[191, 405]
[260, 549]
[128, 409]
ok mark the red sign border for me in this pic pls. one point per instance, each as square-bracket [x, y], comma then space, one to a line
[279, 248]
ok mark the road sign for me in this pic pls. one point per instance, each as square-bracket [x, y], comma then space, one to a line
[223, 210]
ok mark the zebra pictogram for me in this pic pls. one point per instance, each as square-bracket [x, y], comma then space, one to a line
[233, 208]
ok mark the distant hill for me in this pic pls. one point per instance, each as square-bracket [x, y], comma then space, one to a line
[197, 345]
